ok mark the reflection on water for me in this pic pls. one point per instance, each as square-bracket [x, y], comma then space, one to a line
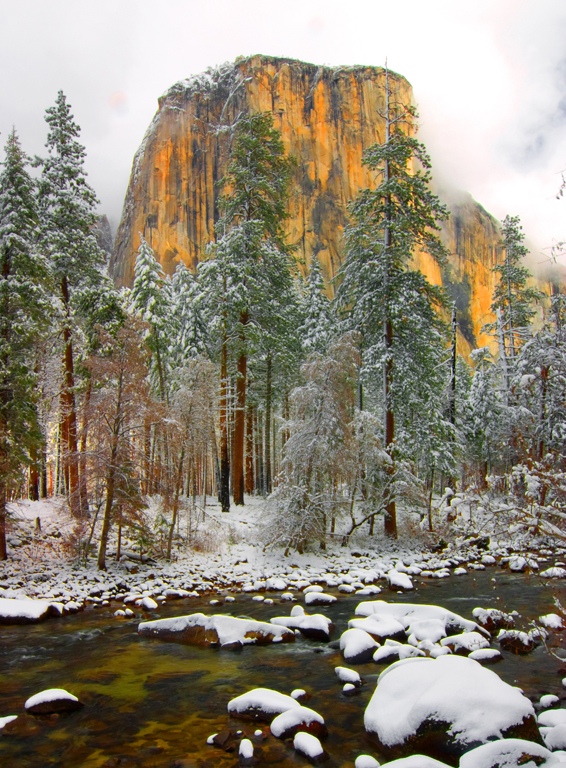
[154, 704]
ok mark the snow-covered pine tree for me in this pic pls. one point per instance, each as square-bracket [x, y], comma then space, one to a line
[392, 306]
[512, 297]
[67, 210]
[24, 313]
[318, 324]
[191, 335]
[237, 281]
[152, 300]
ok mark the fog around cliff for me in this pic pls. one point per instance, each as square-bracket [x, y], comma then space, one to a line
[489, 77]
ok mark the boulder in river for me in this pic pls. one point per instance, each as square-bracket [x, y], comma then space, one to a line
[261, 704]
[445, 707]
[296, 719]
[52, 701]
[219, 631]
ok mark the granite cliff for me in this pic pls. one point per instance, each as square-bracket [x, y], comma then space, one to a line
[327, 117]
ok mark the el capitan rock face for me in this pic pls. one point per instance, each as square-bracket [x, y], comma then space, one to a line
[327, 118]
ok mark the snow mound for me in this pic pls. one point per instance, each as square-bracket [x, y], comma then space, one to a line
[398, 580]
[319, 598]
[346, 675]
[507, 753]
[466, 643]
[23, 611]
[226, 631]
[366, 761]
[552, 621]
[297, 719]
[552, 717]
[262, 703]
[415, 761]
[52, 700]
[468, 704]
[357, 646]
[309, 746]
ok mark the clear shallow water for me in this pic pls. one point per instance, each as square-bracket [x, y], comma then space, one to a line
[153, 704]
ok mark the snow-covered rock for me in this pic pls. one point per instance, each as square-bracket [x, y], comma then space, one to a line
[366, 761]
[415, 761]
[226, 631]
[346, 675]
[554, 573]
[552, 621]
[319, 598]
[515, 641]
[555, 738]
[5, 720]
[246, 752]
[399, 581]
[493, 619]
[486, 655]
[288, 723]
[25, 611]
[310, 747]
[466, 643]
[407, 613]
[548, 700]
[380, 627]
[262, 704]
[357, 646]
[552, 717]
[315, 627]
[508, 753]
[148, 604]
[50, 701]
[450, 704]
[393, 651]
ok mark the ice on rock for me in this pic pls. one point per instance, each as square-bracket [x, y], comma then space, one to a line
[262, 703]
[467, 702]
[508, 753]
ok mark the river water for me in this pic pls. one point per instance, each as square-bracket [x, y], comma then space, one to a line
[153, 704]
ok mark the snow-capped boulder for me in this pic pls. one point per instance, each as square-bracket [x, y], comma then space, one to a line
[516, 642]
[346, 675]
[224, 631]
[392, 651]
[398, 581]
[492, 619]
[554, 573]
[555, 738]
[52, 700]
[310, 747]
[315, 627]
[486, 655]
[466, 643]
[415, 761]
[319, 598]
[407, 613]
[148, 604]
[366, 761]
[508, 753]
[548, 700]
[380, 627]
[25, 611]
[261, 704]
[357, 646]
[445, 707]
[552, 717]
[246, 752]
[288, 723]
[552, 621]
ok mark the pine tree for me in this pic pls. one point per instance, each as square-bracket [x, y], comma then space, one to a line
[394, 307]
[191, 338]
[512, 297]
[318, 324]
[152, 299]
[24, 312]
[67, 208]
[251, 264]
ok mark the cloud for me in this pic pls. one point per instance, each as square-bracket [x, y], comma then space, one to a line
[489, 77]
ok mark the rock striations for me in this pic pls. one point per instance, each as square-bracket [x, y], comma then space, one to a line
[327, 117]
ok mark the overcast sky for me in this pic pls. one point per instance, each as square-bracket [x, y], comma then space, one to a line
[489, 78]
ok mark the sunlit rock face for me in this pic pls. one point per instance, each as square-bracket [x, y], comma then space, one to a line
[327, 117]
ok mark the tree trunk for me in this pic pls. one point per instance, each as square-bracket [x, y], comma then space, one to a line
[178, 485]
[240, 418]
[110, 486]
[267, 429]
[3, 547]
[69, 410]
[224, 479]
[84, 442]
[249, 477]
